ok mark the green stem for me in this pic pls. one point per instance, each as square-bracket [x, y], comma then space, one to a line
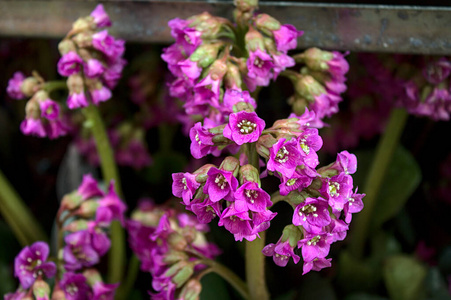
[255, 268]
[110, 172]
[384, 153]
[255, 260]
[50, 86]
[229, 276]
[18, 216]
[133, 269]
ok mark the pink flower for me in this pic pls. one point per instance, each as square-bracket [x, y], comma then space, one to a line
[281, 253]
[31, 263]
[244, 127]
[220, 185]
[76, 100]
[259, 65]
[100, 94]
[184, 186]
[108, 45]
[284, 157]
[286, 37]
[251, 197]
[69, 64]
[201, 141]
[312, 214]
[49, 109]
[74, 286]
[316, 265]
[14, 85]
[93, 68]
[101, 19]
[31, 126]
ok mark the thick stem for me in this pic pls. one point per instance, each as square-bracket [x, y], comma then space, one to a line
[229, 276]
[133, 268]
[255, 268]
[116, 259]
[18, 216]
[255, 260]
[384, 153]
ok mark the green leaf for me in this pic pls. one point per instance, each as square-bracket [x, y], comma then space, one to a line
[402, 178]
[404, 278]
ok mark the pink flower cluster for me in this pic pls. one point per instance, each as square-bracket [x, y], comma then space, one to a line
[170, 246]
[429, 94]
[43, 116]
[85, 216]
[91, 60]
[204, 65]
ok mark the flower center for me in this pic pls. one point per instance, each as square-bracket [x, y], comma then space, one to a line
[72, 289]
[307, 209]
[221, 181]
[351, 201]
[184, 183]
[246, 126]
[314, 241]
[304, 147]
[291, 181]
[334, 187]
[251, 195]
[197, 139]
[282, 155]
[258, 62]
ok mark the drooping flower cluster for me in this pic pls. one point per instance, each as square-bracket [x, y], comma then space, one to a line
[32, 269]
[43, 116]
[85, 217]
[91, 59]
[207, 61]
[320, 82]
[429, 93]
[170, 246]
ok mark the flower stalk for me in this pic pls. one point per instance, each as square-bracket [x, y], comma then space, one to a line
[109, 172]
[384, 153]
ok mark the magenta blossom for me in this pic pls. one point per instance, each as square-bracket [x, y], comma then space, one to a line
[111, 206]
[93, 68]
[76, 100]
[205, 210]
[316, 265]
[31, 263]
[184, 186]
[74, 286]
[89, 188]
[244, 127]
[49, 109]
[201, 141]
[14, 85]
[312, 214]
[284, 157]
[314, 246]
[250, 196]
[232, 97]
[220, 185]
[104, 291]
[101, 19]
[79, 251]
[281, 253]
[108, 45]
[259, 65]
[69, 64]
[237, 223]
[286, 37]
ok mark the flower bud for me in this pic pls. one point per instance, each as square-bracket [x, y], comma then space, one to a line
[230, 164]
[249, 173]
[296, 197]
[266, 22]
[177, 241]
[254, 40]
[83, 39]
[32, 109]
[205, 54]
[75, 83]
[298, 104]
[191, 290]
[41, 290]
[201, 173]
[243, 106]
[76, 225]
[88, 209]
[92, 276]
[292, 234]
[264, 143]
[209, 25]
[218, 69]
[29, 86]
[71, 201]
[246, 5]
[316, 59]
[307, 87]
[180, 272]
[232, 78]
[173, 256]
[66, 46]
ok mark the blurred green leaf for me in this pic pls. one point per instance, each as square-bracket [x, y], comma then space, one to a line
[404, 278]
[364, 296]
[214, 287]
[402, 178]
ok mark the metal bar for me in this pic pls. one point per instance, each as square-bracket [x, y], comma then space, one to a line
[372, 28]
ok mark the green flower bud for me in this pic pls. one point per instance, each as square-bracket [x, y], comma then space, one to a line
[254, 40]
[249, 173]
[264, 21]
[88, 209]
[29, 86]
[71, 201]
[265, 142]
[230, 164]
[41, 290]
[316, 59]
[205, 54]
[191, 290]
[292, 234]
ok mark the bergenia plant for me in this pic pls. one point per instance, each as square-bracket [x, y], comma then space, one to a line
[218, 67]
